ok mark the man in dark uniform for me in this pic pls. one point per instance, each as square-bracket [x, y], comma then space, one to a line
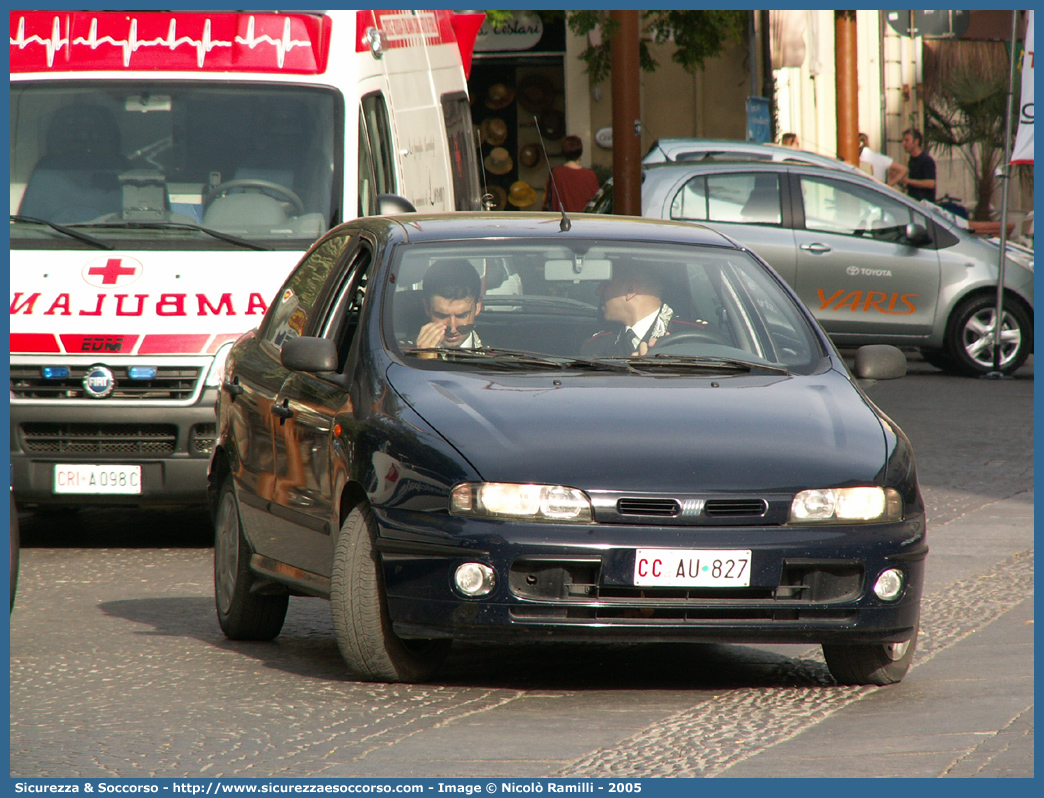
[634, 298]
[920, 178]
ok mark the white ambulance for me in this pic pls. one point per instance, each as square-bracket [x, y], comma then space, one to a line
[167, 171]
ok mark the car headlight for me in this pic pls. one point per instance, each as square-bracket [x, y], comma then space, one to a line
[530, 502]
[846, 505]
[217, 369]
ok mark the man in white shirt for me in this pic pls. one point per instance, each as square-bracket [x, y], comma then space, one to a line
[883, 168]
[452, 300]
[634, 298]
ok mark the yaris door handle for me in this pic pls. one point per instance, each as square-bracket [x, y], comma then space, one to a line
[815, 249]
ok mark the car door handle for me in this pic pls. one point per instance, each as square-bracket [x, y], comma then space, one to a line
[282, 412]
[815, 249]
[234, 388]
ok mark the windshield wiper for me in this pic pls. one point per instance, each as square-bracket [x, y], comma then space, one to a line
[158, 225]
[706, 362]
[521, 358]
[68, 231]
[489, 355]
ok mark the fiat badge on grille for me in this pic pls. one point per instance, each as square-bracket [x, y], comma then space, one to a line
[98, 382]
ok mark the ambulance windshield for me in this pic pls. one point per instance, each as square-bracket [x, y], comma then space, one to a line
[150, 160]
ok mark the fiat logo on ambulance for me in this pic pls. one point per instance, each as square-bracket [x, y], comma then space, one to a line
[112, 272]
[98, 382]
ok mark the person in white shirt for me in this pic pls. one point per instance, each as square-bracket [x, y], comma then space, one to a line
[633, 298]
[452, 300]
[883, 168]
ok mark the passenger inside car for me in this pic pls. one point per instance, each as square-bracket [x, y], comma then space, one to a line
[634, 299]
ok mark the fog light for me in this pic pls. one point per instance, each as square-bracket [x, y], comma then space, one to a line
[474, 579]
[889, 585]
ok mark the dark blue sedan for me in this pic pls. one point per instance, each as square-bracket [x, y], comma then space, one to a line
[511, 428]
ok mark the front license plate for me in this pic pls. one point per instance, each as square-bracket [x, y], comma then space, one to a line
[98, 479]
[692, 568]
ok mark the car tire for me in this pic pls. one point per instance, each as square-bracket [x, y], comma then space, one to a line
[874, 663]
[969, 339]
[939, 358]
[242, 614]
[16, 548]
[362, 624]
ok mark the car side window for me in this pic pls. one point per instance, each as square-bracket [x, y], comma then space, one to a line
[744, 198]
[290, 313]
[343, 320]
[378, 133]
[690, 204]
[463, 153]
[846, 209]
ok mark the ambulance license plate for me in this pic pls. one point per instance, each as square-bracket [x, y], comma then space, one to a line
[692, 568]
[97, 479]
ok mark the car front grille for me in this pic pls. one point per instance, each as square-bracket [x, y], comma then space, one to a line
[100, 440]
[570, 589]
[171, 383]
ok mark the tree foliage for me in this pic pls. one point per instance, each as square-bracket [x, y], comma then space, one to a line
[966, 95]
[697, 34]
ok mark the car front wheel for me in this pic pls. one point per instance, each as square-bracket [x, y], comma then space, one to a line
[371, 649]
[873, 663]
[242, 614]
[971, 336]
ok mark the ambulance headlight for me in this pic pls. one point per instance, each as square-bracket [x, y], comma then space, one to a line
[525, 502]
[217, 370]
[846, 506]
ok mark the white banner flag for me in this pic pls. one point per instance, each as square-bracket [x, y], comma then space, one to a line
[1023, 150]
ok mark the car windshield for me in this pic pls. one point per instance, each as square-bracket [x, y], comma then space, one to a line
[592, 305]
[168, 162]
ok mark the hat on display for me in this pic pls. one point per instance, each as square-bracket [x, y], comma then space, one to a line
[529, 155]
[551, 124]
[499, 96]
[494, 130]
[521, 194]
[499, 197]
[499, 161]
[536, 93]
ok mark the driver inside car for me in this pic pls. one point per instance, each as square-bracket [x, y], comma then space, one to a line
[452, 291]
[634, 298]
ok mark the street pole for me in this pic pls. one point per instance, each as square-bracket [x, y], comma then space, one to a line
[998, 317]
[627, 124]
[847, 86]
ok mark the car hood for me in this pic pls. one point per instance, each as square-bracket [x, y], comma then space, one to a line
[654, 434]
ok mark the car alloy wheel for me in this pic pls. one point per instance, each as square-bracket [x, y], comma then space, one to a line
[972, 336]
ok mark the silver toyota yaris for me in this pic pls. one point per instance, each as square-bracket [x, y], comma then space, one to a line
[873, 265]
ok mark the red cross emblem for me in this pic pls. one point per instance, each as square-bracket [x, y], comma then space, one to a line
[112, 271]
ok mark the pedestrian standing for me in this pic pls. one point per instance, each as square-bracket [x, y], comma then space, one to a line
[884, 168]
[790, 140]
[920, 178]
[574, 183]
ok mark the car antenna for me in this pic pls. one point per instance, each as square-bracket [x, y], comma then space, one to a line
[487, 197]
[565, 224]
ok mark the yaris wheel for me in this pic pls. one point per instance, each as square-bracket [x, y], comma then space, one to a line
[970, 338]
[362, 624]
[243, 615]
[874, 663]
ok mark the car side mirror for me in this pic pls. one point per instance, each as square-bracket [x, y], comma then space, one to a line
[879, 362]
[309, 354]
[916, 234]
